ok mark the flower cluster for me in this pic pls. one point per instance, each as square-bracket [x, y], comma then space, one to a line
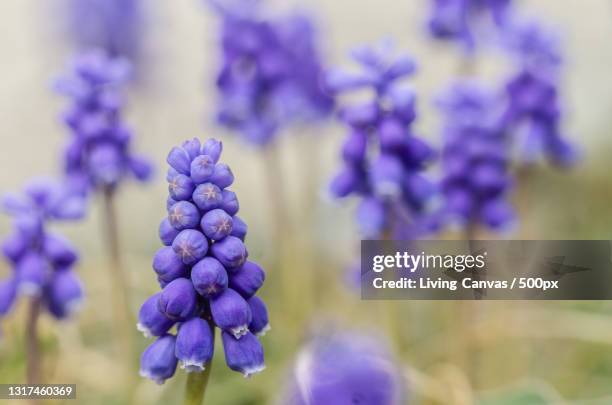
[271, 72]
[456, 20]
[533, 112]
[474, 158]
[98, 154]
[382, 159]
[203, 269]
[345, 369]
[42, 261]
[112, 25]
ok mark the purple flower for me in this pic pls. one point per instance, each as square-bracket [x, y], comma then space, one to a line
[231, 313]
[459, 20]
[474, 158]
[381, 152]
[533, 114]
[259, 325]
[99, 154]
[194, 345]
[203, 253]
[209, 277]
[42, 261]
[151, 321]
[345, 369]
[247, 279]
[178, 300]
[271, 72]
[64, 294]
[158, 361]
[244, 355]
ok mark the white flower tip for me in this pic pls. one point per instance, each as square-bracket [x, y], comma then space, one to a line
[146, 374]
[239, 331]
[265, 330]
[248, 372]
[145, 331]
[192, 366]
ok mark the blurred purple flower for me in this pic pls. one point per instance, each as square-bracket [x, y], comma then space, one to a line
[475, 158]
[42, 261]
[98, 155]
[205, 278]
[112, 25]
[382, 158]
[345, 369]
[271, 73]
[534, 113]
[459, 20]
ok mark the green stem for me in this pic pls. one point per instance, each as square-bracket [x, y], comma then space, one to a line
[197, 383]
[33, 348]
[119, 281]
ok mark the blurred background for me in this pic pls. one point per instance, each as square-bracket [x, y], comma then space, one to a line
[502, 353]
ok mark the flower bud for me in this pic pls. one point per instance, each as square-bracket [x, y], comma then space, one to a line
[231, 312]
[212, 148]
[216, 224]
[355, 147]
[192, 147]
[168, 265]
[158, 361]
[190, 245]
[178, 300]
[181, 187]
[105, 164]
[245, 355]
[32, 273]
[184, 215]
[386, 175]
[230, 202]
[222, 176]
[8, 293]
[247, 279]
[345, 182]
[194, 345]
[259, 325]
[59, 251]
[179, 160]
[230, 251]
[392, 134]
[207, 196]
[64, 294]
[371, 217]
[209, 277]
[170, 202]
[239, 228]
[151, 322]
[202, 168]
[14, 247]
[167, 232]
[497, 213]
[140, 168]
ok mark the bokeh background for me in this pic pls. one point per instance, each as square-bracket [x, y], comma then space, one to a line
[501, 353]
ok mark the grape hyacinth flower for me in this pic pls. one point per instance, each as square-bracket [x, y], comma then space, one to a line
[345, 369]
[42, 261]
[382, 158]
[458, 20]
[474, 158]
[271, 72]
[534, 113]
[112, 25]
[99, 154]
[206, 278]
